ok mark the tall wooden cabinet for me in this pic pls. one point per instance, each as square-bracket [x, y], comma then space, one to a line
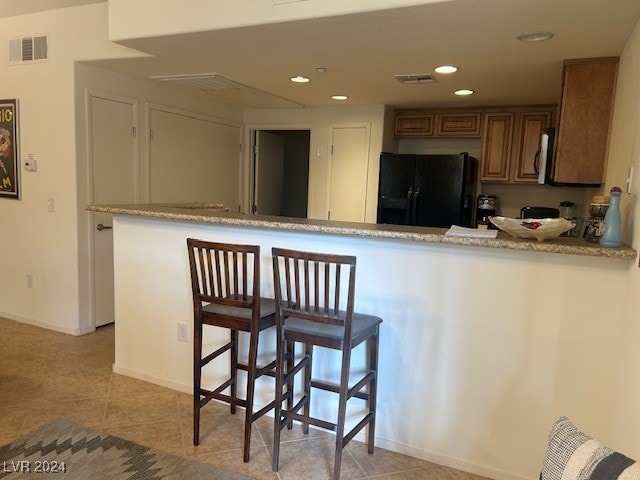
[586, 110]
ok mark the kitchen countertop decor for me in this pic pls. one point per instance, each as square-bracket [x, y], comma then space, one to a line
[215, 214]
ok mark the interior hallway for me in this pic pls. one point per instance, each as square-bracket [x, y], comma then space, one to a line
[45, 375]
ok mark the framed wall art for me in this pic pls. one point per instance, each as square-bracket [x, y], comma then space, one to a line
[9, 155]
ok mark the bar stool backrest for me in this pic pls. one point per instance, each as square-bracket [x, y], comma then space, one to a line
[315, 286]
[224, 274]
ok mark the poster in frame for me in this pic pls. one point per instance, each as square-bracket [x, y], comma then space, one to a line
[9, 150]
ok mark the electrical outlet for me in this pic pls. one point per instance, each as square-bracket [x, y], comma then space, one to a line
[30, 280]
[183, 332]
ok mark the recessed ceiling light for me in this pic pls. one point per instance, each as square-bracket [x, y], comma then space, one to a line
[535, 36]
[464, 91]
[339, 97]
[299, 79]
[446, 69]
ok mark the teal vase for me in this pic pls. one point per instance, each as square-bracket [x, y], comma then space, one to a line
[612, 236]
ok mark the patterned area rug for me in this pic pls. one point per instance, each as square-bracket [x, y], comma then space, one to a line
[67, 451]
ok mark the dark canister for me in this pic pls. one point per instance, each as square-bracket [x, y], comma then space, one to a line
[487, 207]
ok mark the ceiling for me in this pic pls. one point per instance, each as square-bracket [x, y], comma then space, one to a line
[362, 52]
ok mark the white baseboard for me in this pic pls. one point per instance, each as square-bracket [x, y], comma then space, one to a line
[445, 460]
[163, 382]
[49, 326]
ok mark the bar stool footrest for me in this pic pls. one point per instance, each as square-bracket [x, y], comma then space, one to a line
[303, 419]
[215, 354]
[354, 431]
[210, 395]
[330, 387]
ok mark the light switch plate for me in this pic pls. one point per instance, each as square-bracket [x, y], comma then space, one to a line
[31, 164]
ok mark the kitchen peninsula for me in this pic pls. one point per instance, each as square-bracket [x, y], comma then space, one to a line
[484, 342]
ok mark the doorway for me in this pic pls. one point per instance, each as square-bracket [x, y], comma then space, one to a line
[280, 172]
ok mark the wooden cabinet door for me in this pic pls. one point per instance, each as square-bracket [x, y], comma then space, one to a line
[414, 125]
[496, 147]
[458, 125]
[527, 142]
[585, 116]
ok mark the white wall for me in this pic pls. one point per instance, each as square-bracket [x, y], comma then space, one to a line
[320, 121]
[624, 153]
[34, 240]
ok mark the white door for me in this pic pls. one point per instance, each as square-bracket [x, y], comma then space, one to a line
[269, 173]
[348, 173]
[193, 159]
[113, 165]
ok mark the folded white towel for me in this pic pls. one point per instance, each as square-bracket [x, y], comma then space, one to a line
[456, 231]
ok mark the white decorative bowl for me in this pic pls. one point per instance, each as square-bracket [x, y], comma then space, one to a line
[538, 228]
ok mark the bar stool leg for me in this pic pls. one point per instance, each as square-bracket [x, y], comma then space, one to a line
[308, 352]
[197, 375]
[291, 350]
[342, 410]
[372, 348]
[277, 411]
[251, 377]
[234, 368]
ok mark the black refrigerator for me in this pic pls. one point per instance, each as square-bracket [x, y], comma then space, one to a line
[427, 190]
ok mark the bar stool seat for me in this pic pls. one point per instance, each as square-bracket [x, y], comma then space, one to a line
[302, 330]
[267, 309]
[315, 295]
[225, 281]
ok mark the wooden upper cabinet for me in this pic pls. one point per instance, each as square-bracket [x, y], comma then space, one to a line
[529, 134]
[458, 124]
[496, 147]
[421, 122]
[417, 125]
[510, 140]
[586, 108]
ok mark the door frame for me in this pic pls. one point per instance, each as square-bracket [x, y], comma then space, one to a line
[247, 170]
[89, 267]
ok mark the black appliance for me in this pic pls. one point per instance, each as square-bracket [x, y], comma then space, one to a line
[539, 212]
[427, 190]
[487, 207]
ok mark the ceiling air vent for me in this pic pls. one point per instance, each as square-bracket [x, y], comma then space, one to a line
[226, 90]
[29, 49]
[416, 78]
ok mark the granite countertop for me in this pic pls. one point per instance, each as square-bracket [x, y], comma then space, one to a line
[215, 213]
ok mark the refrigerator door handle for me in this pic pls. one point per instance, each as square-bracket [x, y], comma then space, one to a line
[409, 207]
[414, 208]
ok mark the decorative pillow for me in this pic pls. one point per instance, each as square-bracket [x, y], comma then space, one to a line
[572, 455]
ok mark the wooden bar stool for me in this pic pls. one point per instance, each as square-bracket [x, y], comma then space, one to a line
[225, 280]
[315, 293]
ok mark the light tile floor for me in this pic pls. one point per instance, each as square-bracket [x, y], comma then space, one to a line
[45, 375]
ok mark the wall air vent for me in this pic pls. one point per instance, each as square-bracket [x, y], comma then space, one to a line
[29, 49]
[415, 78]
